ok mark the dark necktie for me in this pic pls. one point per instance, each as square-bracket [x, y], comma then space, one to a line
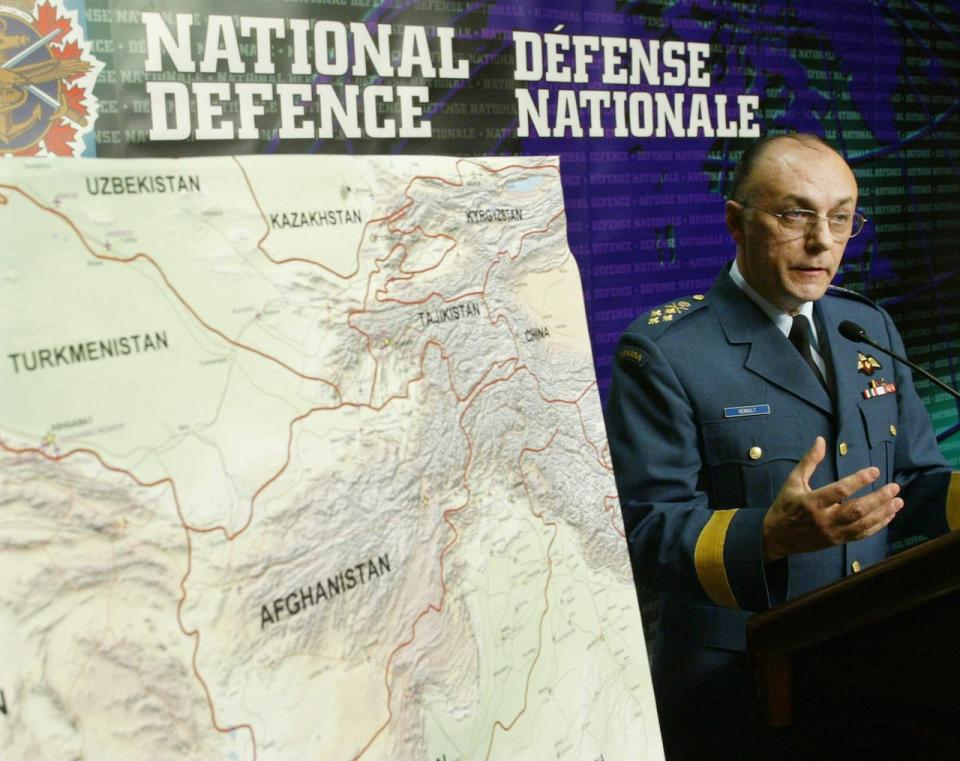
[800, 338]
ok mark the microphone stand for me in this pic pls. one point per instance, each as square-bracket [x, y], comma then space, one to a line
[853, 332]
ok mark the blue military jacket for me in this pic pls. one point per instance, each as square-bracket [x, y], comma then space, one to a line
[710, 409]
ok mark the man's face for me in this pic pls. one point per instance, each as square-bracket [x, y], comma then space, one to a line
[789, 269]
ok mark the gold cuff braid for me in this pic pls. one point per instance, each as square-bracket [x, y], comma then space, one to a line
[708, 558]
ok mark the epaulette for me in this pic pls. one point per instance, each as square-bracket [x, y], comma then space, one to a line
[654, 323]
[846, 293]
[672, 311]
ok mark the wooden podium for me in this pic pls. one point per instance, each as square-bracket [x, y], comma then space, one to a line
[872, 661]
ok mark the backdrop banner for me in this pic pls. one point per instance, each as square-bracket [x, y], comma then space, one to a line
[648, 104]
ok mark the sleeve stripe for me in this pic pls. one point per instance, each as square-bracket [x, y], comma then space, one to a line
[708, 557]
[953, 502]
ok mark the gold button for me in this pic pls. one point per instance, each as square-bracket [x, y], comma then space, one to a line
[843, 449]
[755, 453]
[698, 297]
[855, 566]
[893, 430]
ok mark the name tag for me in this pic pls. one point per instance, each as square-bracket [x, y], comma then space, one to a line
[752, 409]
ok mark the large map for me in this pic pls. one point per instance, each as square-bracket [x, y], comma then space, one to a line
[302, 457]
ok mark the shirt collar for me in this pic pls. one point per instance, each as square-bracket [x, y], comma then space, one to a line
[781, 319]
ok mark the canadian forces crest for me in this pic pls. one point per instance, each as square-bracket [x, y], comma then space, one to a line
[47, 75]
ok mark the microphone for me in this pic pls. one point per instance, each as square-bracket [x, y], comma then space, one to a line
[853, 332]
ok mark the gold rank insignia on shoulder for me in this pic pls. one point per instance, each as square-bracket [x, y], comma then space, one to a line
[633, 355]
[866, 364]
[667, 312]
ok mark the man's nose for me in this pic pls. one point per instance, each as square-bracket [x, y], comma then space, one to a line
[819, 237]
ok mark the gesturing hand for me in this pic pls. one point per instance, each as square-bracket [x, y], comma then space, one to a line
[802, 519]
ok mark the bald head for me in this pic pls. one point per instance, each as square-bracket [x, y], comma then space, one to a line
[753, 156]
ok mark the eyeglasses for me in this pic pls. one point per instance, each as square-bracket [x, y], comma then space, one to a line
[800, 222]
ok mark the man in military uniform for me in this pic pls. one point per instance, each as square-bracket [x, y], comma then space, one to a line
[759, 454]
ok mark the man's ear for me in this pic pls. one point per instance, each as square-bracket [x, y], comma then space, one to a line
[734, 217]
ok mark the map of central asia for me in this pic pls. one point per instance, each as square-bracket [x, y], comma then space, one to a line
[302, 458]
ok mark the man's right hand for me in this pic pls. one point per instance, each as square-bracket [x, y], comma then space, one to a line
[802, 519]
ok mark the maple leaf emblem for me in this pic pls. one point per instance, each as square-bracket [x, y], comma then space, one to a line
[45, 91]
